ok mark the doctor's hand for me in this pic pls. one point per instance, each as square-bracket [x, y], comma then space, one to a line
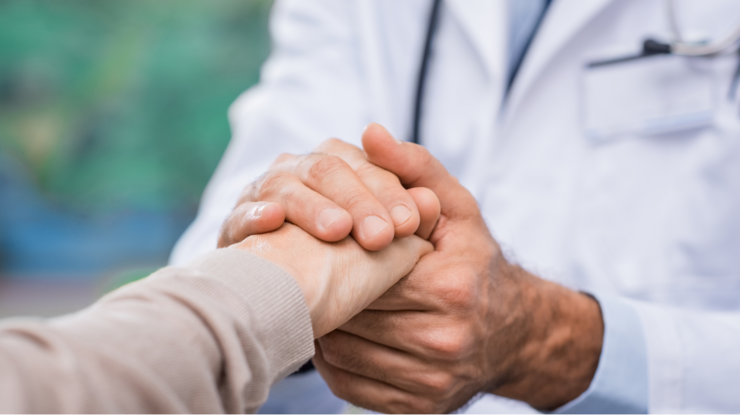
[330, 193]
[340, 279]
[463, 321]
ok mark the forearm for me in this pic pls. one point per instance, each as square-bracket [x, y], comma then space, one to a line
[561, 334]
[209, 338]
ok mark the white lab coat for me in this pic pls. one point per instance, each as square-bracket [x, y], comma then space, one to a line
[652, 218]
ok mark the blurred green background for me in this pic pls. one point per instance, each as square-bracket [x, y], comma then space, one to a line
[112, 120]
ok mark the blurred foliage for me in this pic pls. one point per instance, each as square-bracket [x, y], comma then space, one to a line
[122, 104]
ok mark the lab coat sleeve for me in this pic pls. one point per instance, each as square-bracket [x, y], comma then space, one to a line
[310, 90]
[620, 384]
[693, 363]
[688, 363]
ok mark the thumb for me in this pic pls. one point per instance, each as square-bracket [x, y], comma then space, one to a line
[395, 262]
[416, 167]
[372, 274]
[428, 205]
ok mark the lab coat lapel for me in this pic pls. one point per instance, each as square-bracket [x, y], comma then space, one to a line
[564, 19]
[484, 22]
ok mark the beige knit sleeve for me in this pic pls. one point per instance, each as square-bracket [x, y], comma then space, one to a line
[207, 338]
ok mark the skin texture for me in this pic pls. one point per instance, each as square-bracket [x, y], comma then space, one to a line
[329, 193]
[338, 279]
[464, 320]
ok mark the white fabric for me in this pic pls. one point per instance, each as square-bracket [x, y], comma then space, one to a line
[620, 384]
[653, 218]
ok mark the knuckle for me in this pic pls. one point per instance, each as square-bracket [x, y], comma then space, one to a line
[439, 384]
[355, 198]
[368, 169]
[282, 161]
[380, 176]
[456, 292]
[271, 184]
[335, 145]
[283, 157]
[338, 355]
[426, 157]
[379, 322]
[322, 166]
[249, 192]
[330, 143]
[449, 344]
[459, 295]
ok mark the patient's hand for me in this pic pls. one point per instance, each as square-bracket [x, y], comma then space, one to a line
[330, 193]
[338, 279]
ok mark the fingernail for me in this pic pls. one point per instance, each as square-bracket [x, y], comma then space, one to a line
[328, 217]
[258, 210]
[400, 214]
[372, 226]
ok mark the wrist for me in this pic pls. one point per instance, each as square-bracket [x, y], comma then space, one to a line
[269, 248]
[559, 352]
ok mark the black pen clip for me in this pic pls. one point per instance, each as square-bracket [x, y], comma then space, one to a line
[650, 47]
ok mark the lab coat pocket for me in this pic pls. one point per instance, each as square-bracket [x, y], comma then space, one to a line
[647, 96]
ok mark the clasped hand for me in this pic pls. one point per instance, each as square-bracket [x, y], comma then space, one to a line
[423, 336]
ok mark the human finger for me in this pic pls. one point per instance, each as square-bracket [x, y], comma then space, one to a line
[429, 209]
[373, 273]
[384, 185]
[379, 362]
[333, 178]
[338, 280]
[368, 393]
[411, 293]
[304, 207]
[415, 166]
[403, 330]
[250, 218]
